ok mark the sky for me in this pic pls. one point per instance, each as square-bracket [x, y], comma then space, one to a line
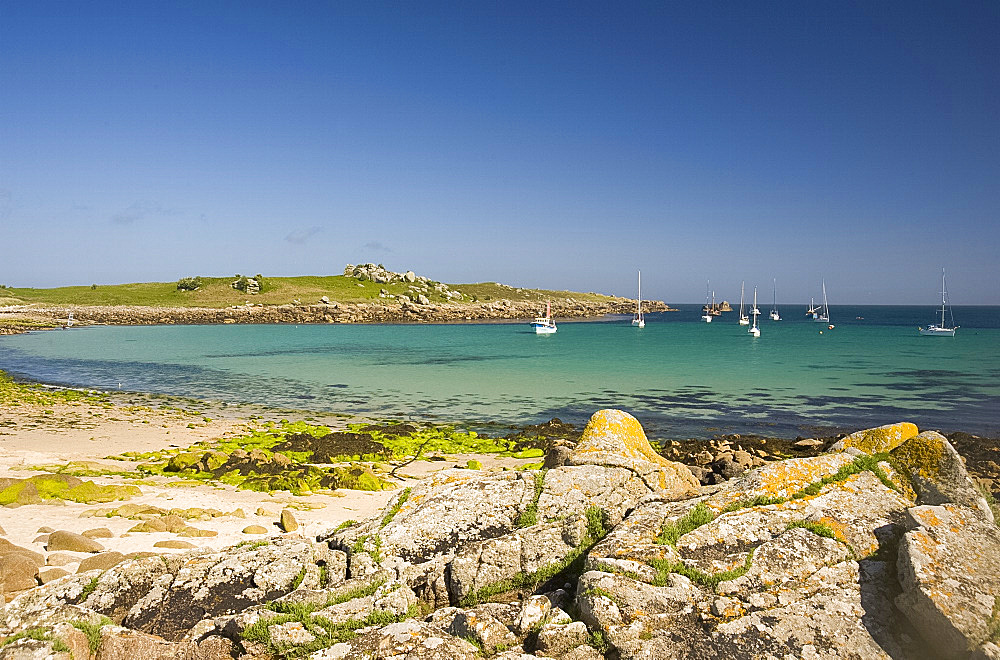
[560, 145]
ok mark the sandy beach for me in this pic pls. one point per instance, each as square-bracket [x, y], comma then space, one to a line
[77, 437]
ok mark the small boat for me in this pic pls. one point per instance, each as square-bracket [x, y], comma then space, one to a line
[754, 331]
[544, 325]
[709, 307]
[744, 319]
[942, 329]
[637, 320]
[821, 314]
[774, 301]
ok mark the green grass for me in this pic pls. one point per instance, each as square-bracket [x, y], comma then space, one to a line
[217, 292]
[92, 631]
[529, 516]
[760, 500]
[329, 633]
[817, 528]
[670, 532]
[400, 501]
[88, 589]
[860, 464]
[665, 567]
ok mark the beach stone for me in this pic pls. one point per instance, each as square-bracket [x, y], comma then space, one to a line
[198, 533]
[288, 522]
[949, 571]
[51, 574]
[44, 529]
[102, 561]
[41, 538]
[62, 558]
[174, 545]
[877, 440]
[254, 529]
[63, 540]
[17, 572]
[264, 513]
[98, 533]
[6, 547]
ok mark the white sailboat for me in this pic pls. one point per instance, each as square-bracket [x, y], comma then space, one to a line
[544, 325]
[942, 329]
[821, 314]
[754, 331]
[709, 306]
[744, 319]
[638, 320]
[774, 301]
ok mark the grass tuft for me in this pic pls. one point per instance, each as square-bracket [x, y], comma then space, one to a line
[529, 516]
[400, 501]
[670, 532]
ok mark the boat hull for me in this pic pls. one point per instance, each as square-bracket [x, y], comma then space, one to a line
[937, 331]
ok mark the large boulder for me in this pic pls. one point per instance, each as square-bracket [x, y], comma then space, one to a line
[614, 438]
[949, 570]
[877, 440]
[938, 473]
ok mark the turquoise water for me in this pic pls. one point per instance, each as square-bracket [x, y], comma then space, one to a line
[679, 376]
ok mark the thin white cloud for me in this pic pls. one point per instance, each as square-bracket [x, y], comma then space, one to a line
[301, 236]
[140, 210]
[376, 246]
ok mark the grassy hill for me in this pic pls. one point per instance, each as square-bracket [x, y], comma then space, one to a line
[217, 292]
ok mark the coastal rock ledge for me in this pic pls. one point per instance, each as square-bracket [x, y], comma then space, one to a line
[882, 548]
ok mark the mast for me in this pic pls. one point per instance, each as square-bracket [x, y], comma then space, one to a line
[943, 301]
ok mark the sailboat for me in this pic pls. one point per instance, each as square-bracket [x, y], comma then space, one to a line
[744, 319]
[942, 330]
[637, 320]
[544, 325]
[754, 331]
[709, 307]
[821, 314]
[774, 301]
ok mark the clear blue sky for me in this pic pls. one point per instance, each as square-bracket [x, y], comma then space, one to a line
[548, 144]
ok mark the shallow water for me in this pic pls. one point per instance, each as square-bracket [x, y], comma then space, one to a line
[679, 376]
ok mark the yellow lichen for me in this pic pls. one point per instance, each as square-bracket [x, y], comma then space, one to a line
[882, 438]
[921, 454]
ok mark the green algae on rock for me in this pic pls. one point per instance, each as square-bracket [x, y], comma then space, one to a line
[57, 487]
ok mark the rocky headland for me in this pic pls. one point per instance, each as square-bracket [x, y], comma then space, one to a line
[878, 545]
[401, 311]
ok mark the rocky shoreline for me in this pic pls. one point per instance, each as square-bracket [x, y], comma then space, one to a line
[333, 312]
[875, 545]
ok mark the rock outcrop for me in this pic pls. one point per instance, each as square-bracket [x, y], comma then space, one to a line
[882, 549]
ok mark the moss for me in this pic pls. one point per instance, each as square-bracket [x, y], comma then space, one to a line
[670, 532]
[88, 492]
[473, 464]
[360, 478]
[182, 462]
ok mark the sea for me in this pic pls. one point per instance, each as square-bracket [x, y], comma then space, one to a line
[681, 377]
